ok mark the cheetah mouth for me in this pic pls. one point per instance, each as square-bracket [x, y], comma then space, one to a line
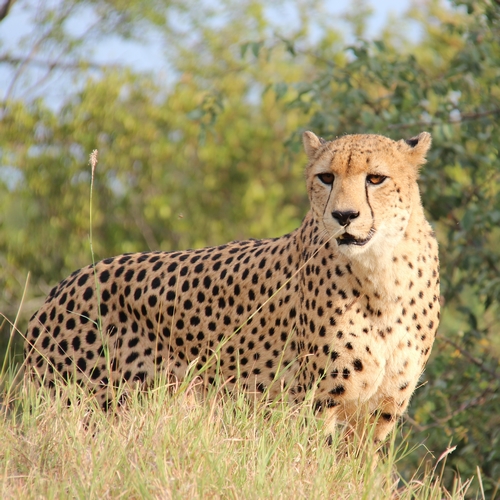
[349, 239]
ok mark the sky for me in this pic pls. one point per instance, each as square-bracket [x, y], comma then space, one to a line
[382, 10]
[149, 57]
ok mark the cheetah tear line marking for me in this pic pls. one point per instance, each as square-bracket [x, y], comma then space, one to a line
[345, 306]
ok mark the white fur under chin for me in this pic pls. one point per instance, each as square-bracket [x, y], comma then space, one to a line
[373, 261]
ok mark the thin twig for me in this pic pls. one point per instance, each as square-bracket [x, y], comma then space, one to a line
[51, 64]
[440, 421]
[471, 358]
[463, 118]
[34, 49]
[65, 49]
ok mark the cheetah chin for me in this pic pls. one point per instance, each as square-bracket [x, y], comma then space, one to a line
[347, 320]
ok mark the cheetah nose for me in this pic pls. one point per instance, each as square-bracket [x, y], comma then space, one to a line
[344, 218]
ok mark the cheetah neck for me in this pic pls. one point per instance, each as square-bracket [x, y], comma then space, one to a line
[381, 272]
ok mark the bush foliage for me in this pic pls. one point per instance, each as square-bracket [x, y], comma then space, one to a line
[206, 149]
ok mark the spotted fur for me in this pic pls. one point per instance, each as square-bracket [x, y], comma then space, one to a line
[346, 305]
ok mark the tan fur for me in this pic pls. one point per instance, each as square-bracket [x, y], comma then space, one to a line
[353, 323]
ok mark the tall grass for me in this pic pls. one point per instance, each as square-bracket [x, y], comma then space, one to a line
[168, 443]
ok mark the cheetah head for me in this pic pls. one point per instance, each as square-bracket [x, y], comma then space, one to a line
[363, 189]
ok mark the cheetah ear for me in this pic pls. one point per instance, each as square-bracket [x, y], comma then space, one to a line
[311, 144]
[416, 147]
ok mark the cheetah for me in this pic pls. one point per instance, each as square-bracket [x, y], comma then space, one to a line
[346, 306]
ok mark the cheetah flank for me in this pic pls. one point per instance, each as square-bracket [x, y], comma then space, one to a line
[346, 305]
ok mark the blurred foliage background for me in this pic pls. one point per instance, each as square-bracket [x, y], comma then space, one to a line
[208, 150]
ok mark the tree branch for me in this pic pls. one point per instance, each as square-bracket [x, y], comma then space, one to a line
[440, 421]
[8, 59]
[5, 8]
[463, 118]
[471, 358]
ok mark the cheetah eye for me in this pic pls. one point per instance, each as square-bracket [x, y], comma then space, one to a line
[375, 179]
[326, 178]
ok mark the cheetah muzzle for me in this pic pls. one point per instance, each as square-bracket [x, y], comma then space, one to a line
[349, 239]
[345, 306]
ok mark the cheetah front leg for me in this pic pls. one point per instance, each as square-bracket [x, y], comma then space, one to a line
[362, 432]
[391, 400]
[376, 407]
[361, 422]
